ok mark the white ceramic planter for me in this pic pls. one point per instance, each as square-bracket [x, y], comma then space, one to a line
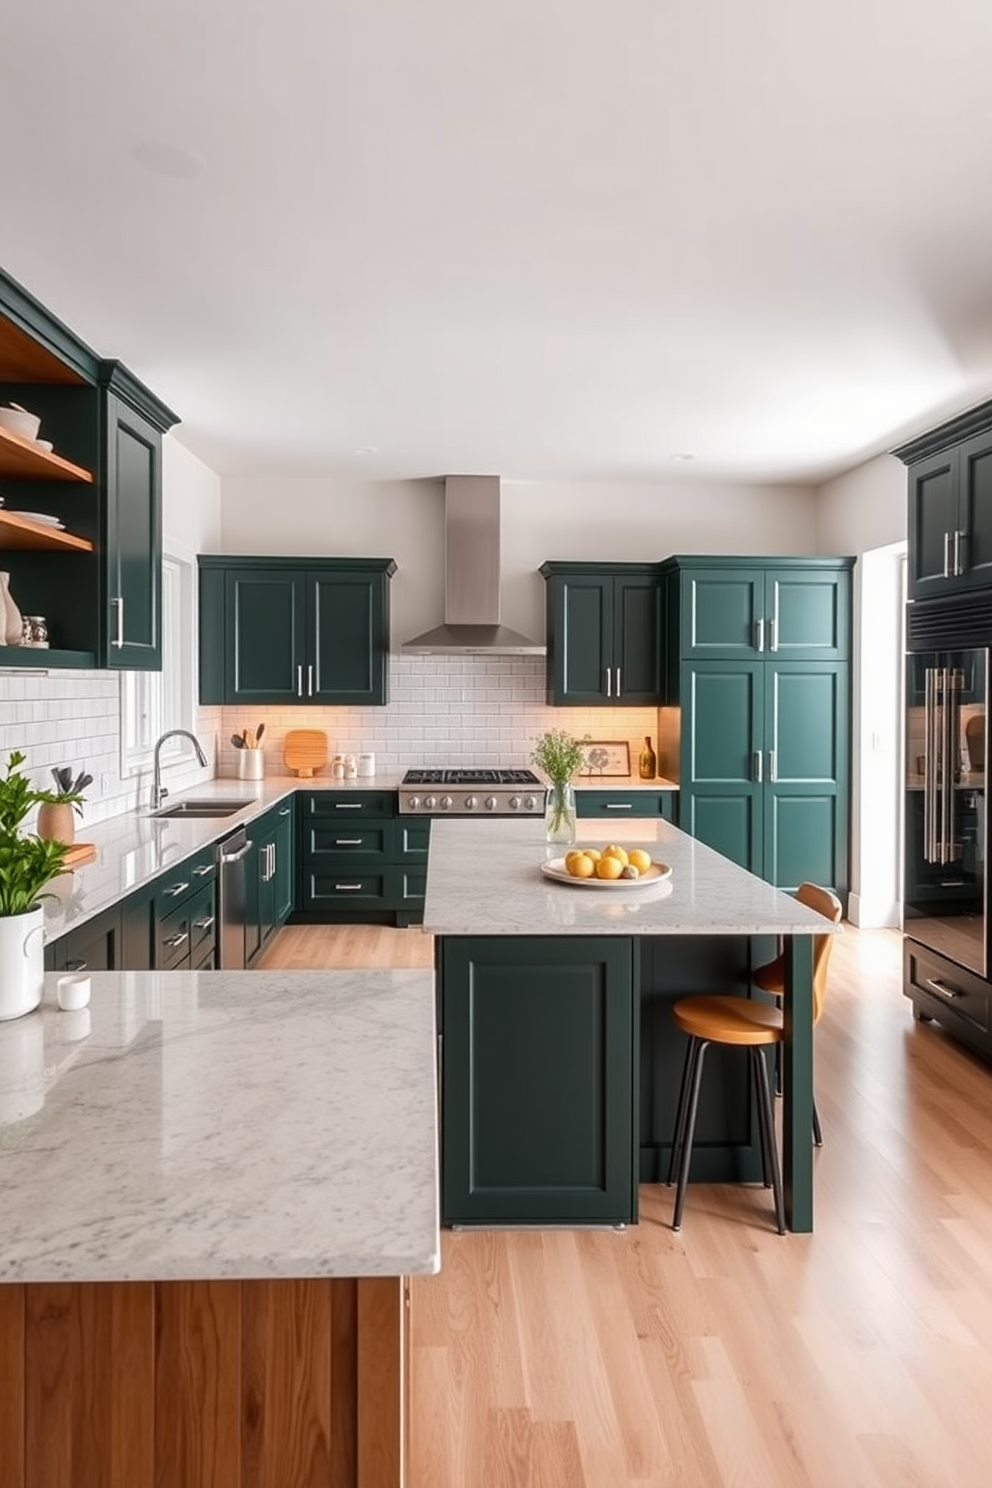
[22, 962]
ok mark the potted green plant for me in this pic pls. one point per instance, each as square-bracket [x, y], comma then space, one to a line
[55, 814]
[558, 754]
[27, 864]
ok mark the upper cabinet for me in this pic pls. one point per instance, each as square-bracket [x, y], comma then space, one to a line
[294, 630]
[726, 608]
[96, 576]
[603, 634]
[950, 506]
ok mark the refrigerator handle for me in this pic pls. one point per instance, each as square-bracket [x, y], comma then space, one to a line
[947, 765]
[930, 767]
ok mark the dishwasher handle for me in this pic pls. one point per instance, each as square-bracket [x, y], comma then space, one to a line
[236, 857]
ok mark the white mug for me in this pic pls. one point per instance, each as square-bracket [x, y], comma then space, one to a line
[366, 764]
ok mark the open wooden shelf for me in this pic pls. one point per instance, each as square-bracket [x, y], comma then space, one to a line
[18, 532]
[41, 658]
[21, 459]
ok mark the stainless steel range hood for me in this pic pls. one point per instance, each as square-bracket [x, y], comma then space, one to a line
[471, 578]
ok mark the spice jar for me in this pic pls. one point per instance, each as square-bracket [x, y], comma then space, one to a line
[34, 631]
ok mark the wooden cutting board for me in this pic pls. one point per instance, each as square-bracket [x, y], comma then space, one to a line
[77, 854]
[305, 751]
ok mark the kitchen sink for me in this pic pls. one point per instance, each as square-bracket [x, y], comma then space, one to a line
[202, 808]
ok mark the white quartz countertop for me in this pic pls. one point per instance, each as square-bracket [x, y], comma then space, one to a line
[485, 878]
[222, 1125]
[136, 847]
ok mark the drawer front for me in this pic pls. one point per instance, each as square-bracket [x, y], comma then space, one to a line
[172, 940]
[345, 805]
[347, 839]
[620, 804]
[179, 885]
[947, 992]
[202, 923]
[341, 890]
[206, 959]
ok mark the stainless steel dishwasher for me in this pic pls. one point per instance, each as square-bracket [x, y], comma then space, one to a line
[232, 899]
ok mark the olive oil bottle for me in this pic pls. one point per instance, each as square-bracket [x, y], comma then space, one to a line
[647, 762]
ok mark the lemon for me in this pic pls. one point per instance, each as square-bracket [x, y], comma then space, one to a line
[570, 857]
[580, 866]
[609, 866]
[613, 851]
[639, 859]
[593, 852]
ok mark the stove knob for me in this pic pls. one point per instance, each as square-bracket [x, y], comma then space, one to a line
[531, 803]
[413, 802]
[514, 803]
[491, 803]
[430, 802]
[445, 802]
[471, 802]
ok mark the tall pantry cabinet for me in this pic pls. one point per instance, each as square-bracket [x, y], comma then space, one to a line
[756, 722]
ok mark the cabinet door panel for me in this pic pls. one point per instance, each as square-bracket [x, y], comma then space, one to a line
[802, 839]
[134, 539]
[809, 614]
[637, 636]
[975, 511]
[933, 513]
[347, 640]
[285, 880]
[724, 724]
[580, 635]
[806, 731]
[728, 822]
[264, 629]
[720, 611]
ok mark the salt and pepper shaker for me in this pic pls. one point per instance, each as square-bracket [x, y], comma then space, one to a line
[337, 768]
[350, 767]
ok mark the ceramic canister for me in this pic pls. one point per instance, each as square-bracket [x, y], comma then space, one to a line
[22, 962]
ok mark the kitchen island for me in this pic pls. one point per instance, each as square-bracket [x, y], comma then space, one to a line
[213, 1186]
[555, 1029]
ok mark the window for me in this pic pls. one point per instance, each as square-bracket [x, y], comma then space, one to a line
[152, 702]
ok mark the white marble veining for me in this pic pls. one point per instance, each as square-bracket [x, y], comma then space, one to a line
[222, 1125]
[136, 847]
[484, 878]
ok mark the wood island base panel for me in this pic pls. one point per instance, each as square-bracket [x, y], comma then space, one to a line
[204, 1384]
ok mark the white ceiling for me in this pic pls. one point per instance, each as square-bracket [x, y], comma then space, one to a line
[545, 238]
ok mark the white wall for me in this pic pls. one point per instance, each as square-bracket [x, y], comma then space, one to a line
[64, 717]
[863, 509]
[599, 522]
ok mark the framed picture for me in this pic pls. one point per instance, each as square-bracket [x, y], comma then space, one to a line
[603, 757]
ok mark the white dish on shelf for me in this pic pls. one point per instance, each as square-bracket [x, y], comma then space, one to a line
[42, 517]
[555, 868]
[45, 444]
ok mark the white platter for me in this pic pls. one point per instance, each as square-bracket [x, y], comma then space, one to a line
[42, 517]
[555, 868]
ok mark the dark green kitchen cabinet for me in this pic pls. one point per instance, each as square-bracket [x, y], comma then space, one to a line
[270, 871]
[294, 631]
[93, 946]
[99, 584]
[616, 805]
[603, 634]
[758, 671]
[949, 519]
[537, 1057]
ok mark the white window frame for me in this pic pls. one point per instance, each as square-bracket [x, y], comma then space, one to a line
[152, 702]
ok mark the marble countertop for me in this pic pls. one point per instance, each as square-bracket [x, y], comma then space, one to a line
[485, 878]
[222, 1125]
[135, 847]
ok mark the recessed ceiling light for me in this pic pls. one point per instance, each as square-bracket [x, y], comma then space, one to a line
[366, 449]
[681, 459]
[174, 161]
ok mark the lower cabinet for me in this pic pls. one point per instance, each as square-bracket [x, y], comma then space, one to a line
[94, 946]
[269, 885]
[359, 861]
[184, 913]
[537, 1053]
[945, 993]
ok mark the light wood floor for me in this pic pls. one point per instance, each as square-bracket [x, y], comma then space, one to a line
[857, 1357]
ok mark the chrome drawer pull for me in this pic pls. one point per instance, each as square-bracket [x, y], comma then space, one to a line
[349, 805]
[177, 889]
[949, 993]
[348, 841]
[203, 924]
[204, 872]
[619, 805]
[176, 940]
[344, 887]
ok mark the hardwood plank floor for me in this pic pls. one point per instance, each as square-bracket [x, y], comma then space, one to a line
[728, 1356]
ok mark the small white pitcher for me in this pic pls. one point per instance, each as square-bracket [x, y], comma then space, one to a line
[22, 962]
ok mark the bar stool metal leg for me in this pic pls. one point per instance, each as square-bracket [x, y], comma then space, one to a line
[685, 1156]
[817, 1132]
[765, 1106]
[681, 1110]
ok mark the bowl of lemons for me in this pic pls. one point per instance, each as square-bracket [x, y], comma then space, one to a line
[611, 867]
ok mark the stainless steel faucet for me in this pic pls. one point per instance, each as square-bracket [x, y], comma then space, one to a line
[159, 791]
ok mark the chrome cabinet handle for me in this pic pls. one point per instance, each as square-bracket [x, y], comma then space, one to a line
[348, 805]
[609, 682]
[118, 604]
[179, 888]
[618, 682]
[772, 766]
[759, 635]
[347, 887]
[773, 634]
[947, 555]
[348, 841]
[299, 680]
[203, 924]
[757, 772]
[948, 993]
[285, 811]
[176, 940]
[619, 805]
[957, 552]
[206, 871]
[309, 681]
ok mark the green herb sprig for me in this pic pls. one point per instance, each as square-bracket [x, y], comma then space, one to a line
[559, 754]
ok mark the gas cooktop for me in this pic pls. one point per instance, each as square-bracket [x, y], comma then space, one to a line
[464, 792]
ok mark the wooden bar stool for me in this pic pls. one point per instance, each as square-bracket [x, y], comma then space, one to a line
[754, 1026]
